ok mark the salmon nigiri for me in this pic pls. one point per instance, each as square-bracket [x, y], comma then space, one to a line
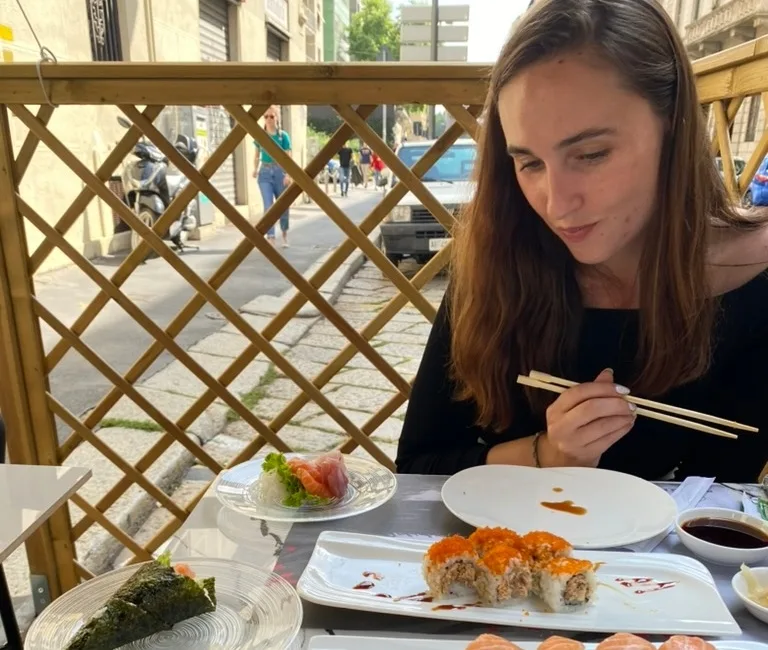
[560, 643]
[491, 642]
[625, 641]
[686, 643]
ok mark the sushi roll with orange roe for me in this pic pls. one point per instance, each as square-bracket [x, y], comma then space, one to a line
[686, 643]
[504, 573]
[451, 561]
[491, 642]
[486, 539]
[543, 546]
[625, 641]
[565, 582]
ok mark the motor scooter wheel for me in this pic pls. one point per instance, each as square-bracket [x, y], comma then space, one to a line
[148, 218]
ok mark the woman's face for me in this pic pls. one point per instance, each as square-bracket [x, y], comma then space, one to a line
[586, 153]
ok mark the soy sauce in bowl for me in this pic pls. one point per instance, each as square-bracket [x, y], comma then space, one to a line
[726, 532]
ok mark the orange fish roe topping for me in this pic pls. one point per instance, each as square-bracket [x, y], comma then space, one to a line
[486, 538]
[498, 559]
[538, 538]
[562, 566]
[449, 548]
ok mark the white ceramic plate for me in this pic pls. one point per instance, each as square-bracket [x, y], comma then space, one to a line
[370, 485]
[620, 509]
[377, 643]
[690, 604]
[256, 610]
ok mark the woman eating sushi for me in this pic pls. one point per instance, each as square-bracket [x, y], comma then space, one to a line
[601, 247]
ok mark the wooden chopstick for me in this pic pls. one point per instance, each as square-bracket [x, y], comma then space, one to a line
[658, 406]
[670, 419]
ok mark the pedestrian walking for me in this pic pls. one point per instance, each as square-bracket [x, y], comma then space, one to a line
[271, 178]
[345, 162]
[366, 156]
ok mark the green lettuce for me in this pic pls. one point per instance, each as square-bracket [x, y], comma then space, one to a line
[297, 496]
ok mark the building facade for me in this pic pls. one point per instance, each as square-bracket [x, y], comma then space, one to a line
[149, 30]
[337, 14]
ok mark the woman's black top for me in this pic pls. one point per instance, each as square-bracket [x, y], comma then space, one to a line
[440, 435]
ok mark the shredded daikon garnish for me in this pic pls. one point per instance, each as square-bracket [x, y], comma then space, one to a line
[755, 592]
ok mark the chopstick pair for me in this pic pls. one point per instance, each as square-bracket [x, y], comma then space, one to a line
[557, 385]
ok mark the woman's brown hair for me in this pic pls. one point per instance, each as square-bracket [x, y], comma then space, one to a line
[515, 304]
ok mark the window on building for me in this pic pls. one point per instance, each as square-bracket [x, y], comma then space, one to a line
[752, 117]
[696, 10]
[104, 29]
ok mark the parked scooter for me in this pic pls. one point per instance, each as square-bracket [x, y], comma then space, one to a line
[149, 188]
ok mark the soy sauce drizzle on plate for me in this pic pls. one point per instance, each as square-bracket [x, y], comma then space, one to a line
[646, 585]
[557, 489]
[372, 575]
[366, 584]
[565, 506]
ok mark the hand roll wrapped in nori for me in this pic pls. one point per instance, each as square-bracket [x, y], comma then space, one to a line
[153, 599]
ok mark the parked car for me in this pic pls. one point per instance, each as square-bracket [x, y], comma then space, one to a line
[411, 230]
[757, 193]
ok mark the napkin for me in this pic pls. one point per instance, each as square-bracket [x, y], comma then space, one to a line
[687, 495]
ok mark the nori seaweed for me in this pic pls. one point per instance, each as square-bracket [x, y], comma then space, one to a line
[151, 600]
[120, 624]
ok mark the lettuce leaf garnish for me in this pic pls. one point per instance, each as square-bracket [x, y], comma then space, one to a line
[297, 496]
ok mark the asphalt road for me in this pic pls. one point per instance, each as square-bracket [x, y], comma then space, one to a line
[161, 293]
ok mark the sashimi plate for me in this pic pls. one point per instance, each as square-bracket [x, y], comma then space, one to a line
[255, 610]
[370, 486]
[642, 593]
[379, 643]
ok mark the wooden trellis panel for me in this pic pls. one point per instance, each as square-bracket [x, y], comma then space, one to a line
[141, 92]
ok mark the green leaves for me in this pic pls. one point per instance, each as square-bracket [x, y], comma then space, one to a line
[297, 495]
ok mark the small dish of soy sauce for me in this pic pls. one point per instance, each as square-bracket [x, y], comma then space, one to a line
[723, 536]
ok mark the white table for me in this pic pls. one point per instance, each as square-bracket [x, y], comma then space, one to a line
[214, 531]
[29, 495]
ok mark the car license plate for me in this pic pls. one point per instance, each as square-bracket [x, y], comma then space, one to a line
[438, 244]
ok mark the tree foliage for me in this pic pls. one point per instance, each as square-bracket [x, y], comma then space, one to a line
[373, 28]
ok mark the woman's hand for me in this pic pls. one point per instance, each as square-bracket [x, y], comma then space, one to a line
[286, 180]
[587, 419]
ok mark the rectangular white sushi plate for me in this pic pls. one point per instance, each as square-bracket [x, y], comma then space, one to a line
[372, 643]
[691, 606]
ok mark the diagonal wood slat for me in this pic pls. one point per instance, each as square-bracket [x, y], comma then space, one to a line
[466, 119]
[733, 108]
[724, 138]
[24, 157]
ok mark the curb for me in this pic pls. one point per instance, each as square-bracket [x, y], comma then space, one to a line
[104, 550]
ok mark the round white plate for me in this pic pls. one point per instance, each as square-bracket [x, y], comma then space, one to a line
[256, 610]
[370, 485]
[620, 509]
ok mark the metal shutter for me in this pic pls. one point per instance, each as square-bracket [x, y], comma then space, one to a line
[214, 46]
[274, 46]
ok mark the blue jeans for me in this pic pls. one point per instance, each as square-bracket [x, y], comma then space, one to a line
[344, 179]
[271, 178]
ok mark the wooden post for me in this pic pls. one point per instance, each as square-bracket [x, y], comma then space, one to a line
[31, 430]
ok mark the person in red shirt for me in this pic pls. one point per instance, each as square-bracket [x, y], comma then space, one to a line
[377, 164]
